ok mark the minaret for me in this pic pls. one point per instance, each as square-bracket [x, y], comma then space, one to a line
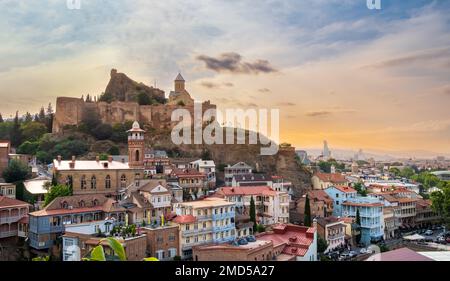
[179, 83]
[136, 146]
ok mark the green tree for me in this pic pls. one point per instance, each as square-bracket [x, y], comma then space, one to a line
[56, 191]
[407, 172]
[440, 203]
[15, 133]
[358, 222]
[1, 118]
[28, 147]
[102, 131]
[114, 150]
[32, 131]
[322, 245]
[260, 228]
[16, 171]
[144, 99]
[103, 156]
[307, 213]
[98, 253]
[28, 118]
[359, 187]
[395, 171]
[253, 213]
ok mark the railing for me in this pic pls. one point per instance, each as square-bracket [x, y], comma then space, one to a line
[10, 219]
[4, 234]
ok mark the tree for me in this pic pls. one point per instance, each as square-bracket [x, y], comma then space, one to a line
[56, 191]
[32, 131]
[103, 156]
[395, 171]
[253, 213]
[322, 245]
[358, 222]
[1, 118]
[28, 148]
[42, 115]
[440, 203]
[15, 133]
[28, 117]
[260, 228]
[407, 172]
[16, 171]
[114, 150]
[360, 189]
[144, 99]
[307, 214]
[54, 180]
[102, 131]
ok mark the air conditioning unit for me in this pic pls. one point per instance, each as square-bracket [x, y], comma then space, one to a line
[70, 207]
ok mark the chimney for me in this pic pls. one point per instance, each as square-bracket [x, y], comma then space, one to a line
[110, 158]
[123, 160]
[72, 165]
[97, 158]
[73, 158]
[59, 158]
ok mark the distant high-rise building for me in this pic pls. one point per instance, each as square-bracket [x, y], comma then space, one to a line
[326, 151]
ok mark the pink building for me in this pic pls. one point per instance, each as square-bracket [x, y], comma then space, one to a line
[13, 214]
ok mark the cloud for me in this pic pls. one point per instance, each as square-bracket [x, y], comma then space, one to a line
[318, 113]
[286, 104]
[328, 112]
[424, 56]
[264, 90]
[212, 85]
[232, 62]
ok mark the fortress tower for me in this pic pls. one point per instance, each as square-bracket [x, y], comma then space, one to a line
[136, 146]
[179, 83]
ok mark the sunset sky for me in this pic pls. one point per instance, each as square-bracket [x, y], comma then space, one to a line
[359, 78]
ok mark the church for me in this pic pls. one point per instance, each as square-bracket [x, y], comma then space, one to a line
[107, 177]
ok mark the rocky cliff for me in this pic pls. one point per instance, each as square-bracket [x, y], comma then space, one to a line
[122, 88]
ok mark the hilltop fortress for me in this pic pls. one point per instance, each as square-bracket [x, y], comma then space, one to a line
[127, 100]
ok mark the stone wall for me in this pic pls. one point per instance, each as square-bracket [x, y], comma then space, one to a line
[69, 111]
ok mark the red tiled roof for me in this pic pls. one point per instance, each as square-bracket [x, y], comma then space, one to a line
[297, 239]
[345, 189]
[247, 190]
[319, 195]
[185, 219]
[9, 202]
[333, 178]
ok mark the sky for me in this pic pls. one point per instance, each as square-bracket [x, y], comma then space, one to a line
[338, 71]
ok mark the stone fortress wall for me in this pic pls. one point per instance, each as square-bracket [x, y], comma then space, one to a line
[69, 111]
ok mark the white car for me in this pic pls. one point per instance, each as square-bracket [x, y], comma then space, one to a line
[429, 232]
[362, 251]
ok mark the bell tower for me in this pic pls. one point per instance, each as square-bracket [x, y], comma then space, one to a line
[136, 146]
[179, 83]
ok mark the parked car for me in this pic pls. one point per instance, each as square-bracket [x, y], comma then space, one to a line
[363, 251]
[352, 254]
[429, 232]
[344, 256]
[251, 238]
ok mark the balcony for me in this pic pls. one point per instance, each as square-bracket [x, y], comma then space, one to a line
[9, 219]
[5, 234]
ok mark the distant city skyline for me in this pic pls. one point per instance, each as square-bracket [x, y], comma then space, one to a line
[359, 78]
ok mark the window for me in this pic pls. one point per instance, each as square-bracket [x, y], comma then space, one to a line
[93, 182]
[81, 203]
[123, 181]
[83, 182]
[108, 182]
[172, 252]
[136, 156]
[172, 237]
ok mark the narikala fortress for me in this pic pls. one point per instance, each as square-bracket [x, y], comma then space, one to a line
[121, 102]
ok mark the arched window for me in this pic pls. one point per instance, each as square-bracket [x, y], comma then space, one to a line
[93, 182]
[108, 182]
[65, 205]
[95, 202]
[123, 181]
[81, 203]
[137, 156]
[83, 182]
